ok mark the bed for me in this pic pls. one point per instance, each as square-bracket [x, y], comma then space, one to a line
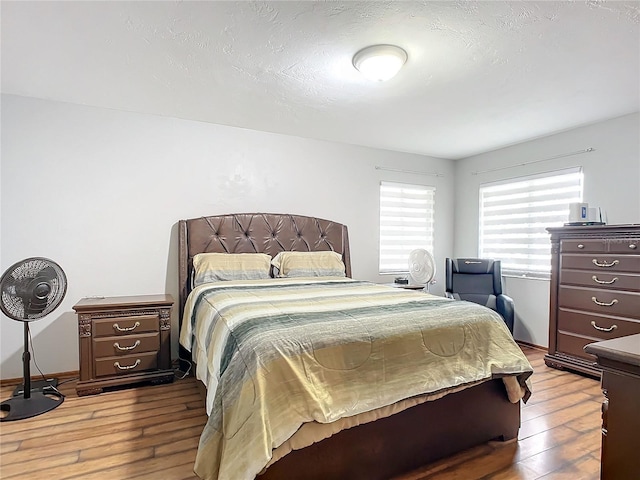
[265, 424]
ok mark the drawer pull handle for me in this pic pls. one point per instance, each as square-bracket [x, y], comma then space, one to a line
[117, 327]
[127, 367]
[604, 304]
[633, 246]
[602, 329]
[604, 282]
[580, 246]
[117, 345]
[605, 264]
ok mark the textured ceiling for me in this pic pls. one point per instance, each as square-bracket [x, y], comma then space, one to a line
[480, 75]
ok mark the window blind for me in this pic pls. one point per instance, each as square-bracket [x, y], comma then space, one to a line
[514, 217]
[406, 223]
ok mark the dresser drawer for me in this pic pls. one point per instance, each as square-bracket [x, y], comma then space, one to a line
[126, 345]
[608, 280]
[108, 327]
[126, 365]
[625, 245]
[574, 345]
[583, 246]
[603, 263]
[604, 302]
[602, 327]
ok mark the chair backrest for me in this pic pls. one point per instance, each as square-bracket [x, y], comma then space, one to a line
[473, 276]
[479, 280]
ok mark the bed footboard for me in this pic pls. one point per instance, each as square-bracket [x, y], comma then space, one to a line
[407, 440]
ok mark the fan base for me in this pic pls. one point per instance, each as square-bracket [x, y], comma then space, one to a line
[42, 386]
[19, 408]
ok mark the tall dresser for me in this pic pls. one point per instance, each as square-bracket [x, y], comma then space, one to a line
[595, 291]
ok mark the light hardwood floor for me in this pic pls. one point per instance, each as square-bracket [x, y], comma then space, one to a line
[152, 432]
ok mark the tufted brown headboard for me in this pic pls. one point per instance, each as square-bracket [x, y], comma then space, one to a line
[255, 233]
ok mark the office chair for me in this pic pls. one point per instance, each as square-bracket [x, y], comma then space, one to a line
[479, 280]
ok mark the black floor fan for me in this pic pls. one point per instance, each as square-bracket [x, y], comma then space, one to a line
[31, 289]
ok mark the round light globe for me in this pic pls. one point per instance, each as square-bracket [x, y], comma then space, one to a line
[380, 62]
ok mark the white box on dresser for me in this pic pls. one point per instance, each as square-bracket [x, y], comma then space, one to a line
[594, 291]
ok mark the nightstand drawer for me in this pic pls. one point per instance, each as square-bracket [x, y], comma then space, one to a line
[108, 327]
[115, 346]
[126, 365]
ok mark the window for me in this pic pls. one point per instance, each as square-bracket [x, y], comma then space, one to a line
[514, 216]
[406, 223]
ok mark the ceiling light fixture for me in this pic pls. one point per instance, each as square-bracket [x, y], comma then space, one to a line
[379, 62]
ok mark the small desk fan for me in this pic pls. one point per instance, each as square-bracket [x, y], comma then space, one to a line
[30, 290]
[422, 267]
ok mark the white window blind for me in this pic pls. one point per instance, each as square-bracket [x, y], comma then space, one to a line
[406, 223]
[514, 217]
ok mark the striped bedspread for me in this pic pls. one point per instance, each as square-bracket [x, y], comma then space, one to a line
[278, 353]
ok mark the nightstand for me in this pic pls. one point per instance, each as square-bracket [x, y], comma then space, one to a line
[124, 341]
[407, 286]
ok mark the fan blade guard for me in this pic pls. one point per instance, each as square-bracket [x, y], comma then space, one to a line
[422, 267]
[32, 288]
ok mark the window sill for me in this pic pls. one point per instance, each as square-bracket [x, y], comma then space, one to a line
[525, 277]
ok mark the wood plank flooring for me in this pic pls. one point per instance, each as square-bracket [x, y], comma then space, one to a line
[152, 432]
[559, 437]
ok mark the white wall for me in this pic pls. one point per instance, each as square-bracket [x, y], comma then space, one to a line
[100, 192]
[611, 181]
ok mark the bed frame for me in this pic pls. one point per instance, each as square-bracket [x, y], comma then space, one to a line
[377, 450]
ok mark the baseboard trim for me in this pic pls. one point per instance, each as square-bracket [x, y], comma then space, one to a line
[532, 345]
[59, 376]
